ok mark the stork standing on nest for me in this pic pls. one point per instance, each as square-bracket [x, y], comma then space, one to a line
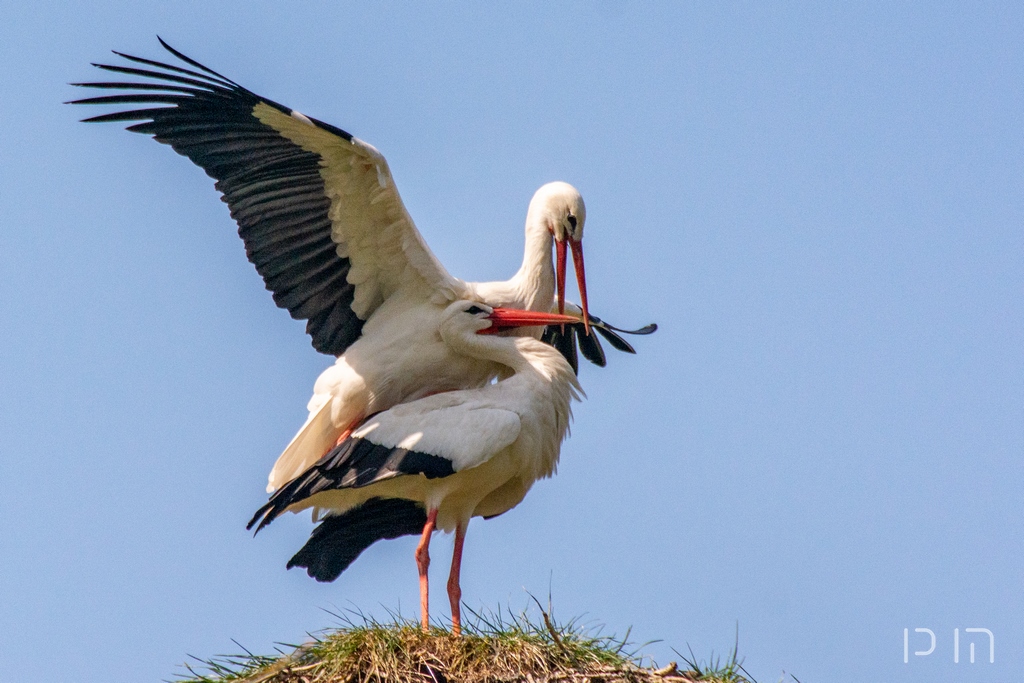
[437, 461]
[324, 225]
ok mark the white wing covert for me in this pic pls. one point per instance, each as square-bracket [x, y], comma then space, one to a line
[434, 437]
[465, 434]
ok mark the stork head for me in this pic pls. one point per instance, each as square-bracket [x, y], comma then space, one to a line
[563, 212]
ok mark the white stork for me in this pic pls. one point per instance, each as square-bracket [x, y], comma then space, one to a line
[437, 461]
[324, 225]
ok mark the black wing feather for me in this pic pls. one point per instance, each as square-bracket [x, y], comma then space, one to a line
[272, 187]
[187, 60]
[566, 340]
[354, 463]
[590, 346]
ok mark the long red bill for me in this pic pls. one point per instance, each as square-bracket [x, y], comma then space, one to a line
[560, 246]
[581, 281]
[504, 318]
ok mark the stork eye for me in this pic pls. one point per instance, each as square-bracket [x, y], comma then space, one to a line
[473, 310]
[572, 221]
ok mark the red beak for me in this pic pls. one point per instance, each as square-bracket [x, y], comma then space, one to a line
[504, 318]
[581, 281]
[560, 246]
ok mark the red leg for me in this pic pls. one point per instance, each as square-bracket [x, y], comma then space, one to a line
[344, 435]
[423, 563]
[454, 590]
[347, 433]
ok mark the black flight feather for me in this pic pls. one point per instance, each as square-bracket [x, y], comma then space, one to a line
[590, 347]
[566, 337]
[272, 186]
[354, 463]
[562, 338]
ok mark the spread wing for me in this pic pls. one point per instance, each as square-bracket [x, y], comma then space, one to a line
[435, 437]
[317, 208]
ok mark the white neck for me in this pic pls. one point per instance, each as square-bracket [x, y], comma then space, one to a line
[487, 347]
[535, 281]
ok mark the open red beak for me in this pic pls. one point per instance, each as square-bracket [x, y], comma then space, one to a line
[581, 278]
[581, 281]
[504, 318]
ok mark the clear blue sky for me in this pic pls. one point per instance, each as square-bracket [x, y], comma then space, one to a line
[821, 207]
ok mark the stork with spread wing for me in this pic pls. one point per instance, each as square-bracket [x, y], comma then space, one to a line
[324, 225]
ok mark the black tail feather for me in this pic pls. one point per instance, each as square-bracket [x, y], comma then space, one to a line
[339, 539]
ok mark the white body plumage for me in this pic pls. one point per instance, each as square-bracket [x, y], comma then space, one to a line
[500, 438]
[400, 356]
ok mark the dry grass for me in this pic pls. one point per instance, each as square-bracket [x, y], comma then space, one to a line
[493, 649]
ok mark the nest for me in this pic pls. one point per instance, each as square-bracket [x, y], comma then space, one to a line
[489, 651]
